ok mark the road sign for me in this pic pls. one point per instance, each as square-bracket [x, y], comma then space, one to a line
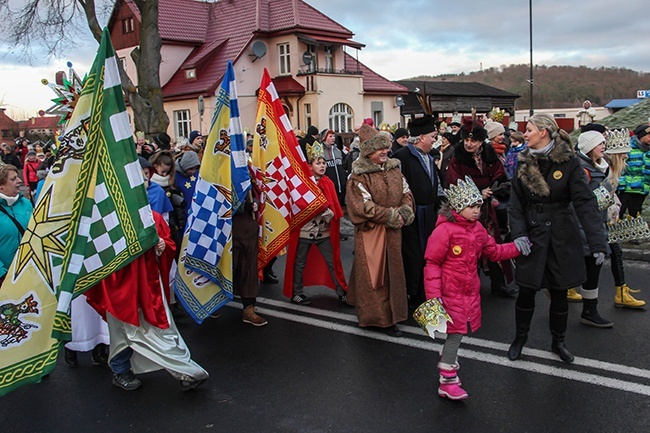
[643, 93]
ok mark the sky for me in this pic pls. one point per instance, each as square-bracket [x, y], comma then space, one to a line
[417, 37]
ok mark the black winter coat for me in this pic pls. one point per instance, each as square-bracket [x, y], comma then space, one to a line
[543, 189]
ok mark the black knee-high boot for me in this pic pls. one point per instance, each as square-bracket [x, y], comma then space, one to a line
[557, 323]
[523, 316]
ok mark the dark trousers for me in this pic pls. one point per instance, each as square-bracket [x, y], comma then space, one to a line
[593, 273]
[631, 202]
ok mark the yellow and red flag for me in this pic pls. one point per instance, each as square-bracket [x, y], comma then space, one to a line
[289, 195]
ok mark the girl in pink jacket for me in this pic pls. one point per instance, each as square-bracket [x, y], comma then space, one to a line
[450, 274]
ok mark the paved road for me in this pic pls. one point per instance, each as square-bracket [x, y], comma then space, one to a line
[313, 370]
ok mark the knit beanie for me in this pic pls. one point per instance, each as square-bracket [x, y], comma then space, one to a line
[400, 132]
[193, 136]
[587, 141]
[312, 130]
[642, 130]
[189, 160]
[370, 140]
[493, 129]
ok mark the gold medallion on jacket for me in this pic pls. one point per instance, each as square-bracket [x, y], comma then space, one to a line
[456, 249]
[557, 175]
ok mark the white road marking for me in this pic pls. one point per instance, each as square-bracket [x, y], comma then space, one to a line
[501, 360]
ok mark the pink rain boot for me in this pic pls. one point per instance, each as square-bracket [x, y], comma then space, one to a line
[450, 383]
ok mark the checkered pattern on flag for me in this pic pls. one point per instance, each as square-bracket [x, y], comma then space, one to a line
[111, 222]
[204, 278]
[28, 349]
[289, 194]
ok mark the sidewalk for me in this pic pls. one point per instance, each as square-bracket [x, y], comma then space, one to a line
[636, 252]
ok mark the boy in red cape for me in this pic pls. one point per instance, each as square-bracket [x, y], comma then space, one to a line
[316, 246]
[144, 338]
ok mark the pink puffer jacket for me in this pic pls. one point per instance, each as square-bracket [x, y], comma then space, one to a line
[452, 255]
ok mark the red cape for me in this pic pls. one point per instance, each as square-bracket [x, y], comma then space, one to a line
[137, 286]
[316, 271]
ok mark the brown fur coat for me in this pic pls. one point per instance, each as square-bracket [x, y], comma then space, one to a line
[378, 196]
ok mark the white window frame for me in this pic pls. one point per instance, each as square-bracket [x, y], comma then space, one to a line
[182, 123]
[341, 118]
[284, 58]
[308, 115]
[329, 58]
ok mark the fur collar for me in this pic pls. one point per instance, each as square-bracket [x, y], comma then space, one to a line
[362, 165]
[488, 156]
[528, 170]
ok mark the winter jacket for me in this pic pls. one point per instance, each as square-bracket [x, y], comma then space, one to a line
[636, 177]
[30, 172]
[10, 236]
[595, 179]
[543, 189]
[335, 171]
[451, 270]
[511, 159]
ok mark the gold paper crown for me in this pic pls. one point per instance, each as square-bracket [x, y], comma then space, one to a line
[139, 134]
[463, 194]
[432, 316]
[618, 141]
[314, 151]
[628, 229]
[604, 198]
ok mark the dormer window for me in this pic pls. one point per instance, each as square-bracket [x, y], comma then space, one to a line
[190, 74]
[127, 25]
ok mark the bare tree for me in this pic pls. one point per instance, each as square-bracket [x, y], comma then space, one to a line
[51, 24]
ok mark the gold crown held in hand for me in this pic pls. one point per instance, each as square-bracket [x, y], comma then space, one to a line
[463, 194]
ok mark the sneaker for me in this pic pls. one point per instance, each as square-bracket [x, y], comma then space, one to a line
[126, 381]
[300, 300]
[249, 316]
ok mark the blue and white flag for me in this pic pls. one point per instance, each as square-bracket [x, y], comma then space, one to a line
[204, 279]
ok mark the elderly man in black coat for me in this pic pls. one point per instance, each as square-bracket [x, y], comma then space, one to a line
[421, 173]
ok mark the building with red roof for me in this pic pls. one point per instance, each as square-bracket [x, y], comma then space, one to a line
[42, 125]
[310, 57]
[8, 127]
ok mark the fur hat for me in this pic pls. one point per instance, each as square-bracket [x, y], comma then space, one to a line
[472, 128]
[494, 128]
[312, 130]
[642, 130]
[163, 141]
[421, 125]
[370, 140]
[589, 140]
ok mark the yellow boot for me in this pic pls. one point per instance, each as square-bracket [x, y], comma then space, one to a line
[624, 299]
[573, 296]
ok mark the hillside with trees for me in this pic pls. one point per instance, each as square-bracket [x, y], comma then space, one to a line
[557, 86]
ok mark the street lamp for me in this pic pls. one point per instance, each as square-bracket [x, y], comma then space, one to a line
[530, 16]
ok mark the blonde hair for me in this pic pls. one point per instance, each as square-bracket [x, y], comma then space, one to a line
[4, 172]
[617, 164]
[544, 121]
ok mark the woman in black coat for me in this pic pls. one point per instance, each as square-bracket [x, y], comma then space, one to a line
[548, 180]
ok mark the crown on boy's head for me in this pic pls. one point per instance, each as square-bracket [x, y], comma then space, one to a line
[314, 151]
[463, 194]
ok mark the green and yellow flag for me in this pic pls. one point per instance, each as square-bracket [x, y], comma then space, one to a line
[92, 218]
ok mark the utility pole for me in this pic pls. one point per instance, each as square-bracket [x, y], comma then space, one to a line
[530, 16]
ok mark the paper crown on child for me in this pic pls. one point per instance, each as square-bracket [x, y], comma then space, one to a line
[628, 229]
[463, 194]
[314, 151]
[604, 198]
[618, 141]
